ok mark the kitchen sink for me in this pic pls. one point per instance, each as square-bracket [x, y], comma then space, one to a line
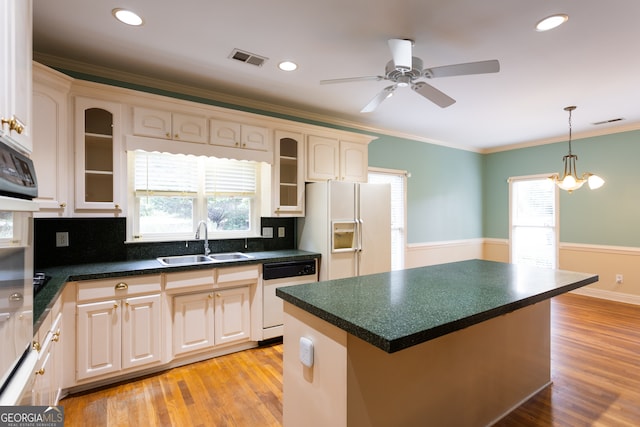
[185, 259]
[230, 256]
[202, 259]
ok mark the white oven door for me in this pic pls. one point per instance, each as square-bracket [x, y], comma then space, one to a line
[16, 284]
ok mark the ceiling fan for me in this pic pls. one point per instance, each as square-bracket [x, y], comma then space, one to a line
[405, 70]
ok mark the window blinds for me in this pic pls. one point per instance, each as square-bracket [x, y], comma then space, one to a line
[177, 173]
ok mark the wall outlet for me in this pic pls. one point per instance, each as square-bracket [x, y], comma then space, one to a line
[619, 279]
[267, 232]
[62, 239]
[281, 232]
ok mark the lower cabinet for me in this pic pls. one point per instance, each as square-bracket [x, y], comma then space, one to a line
[193, 322]
[232, 315]
[206, 319]
[118, 333]
[47, 386]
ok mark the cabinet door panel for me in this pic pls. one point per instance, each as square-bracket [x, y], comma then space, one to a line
[189, 128]
[98, 339]
[232, 316]
[225, 133]
[153, 123]
[141, 331]
[354, 161]
[323, 157]
[192, 323]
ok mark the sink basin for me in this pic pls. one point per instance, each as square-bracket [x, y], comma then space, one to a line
[230, 256]
[185, 259]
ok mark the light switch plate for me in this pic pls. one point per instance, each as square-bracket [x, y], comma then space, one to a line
[267, 232]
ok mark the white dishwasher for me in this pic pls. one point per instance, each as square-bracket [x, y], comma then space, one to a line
[276, 275]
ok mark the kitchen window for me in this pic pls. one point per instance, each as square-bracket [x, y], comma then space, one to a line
[171, 193]
[533, 219]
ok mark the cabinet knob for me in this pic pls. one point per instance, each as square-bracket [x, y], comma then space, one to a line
[218, 295]
[56, 336]
[210, 295]
[117, 206]
[244, 145]
[40, 371]
[36, 346]
[63, 205]
[121, 286]
[176, 136]
[115, 305]
[168, 135]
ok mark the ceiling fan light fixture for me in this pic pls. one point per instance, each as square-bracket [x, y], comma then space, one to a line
[288, 66]
[551, 22]
[127, 17]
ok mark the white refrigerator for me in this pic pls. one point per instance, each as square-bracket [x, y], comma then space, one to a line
[349, 224]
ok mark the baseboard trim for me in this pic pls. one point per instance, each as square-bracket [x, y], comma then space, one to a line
[608, 295]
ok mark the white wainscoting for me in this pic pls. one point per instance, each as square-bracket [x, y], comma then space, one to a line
[605, 261]
[424, 254]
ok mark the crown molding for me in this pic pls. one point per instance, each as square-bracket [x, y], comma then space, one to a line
[233, 100]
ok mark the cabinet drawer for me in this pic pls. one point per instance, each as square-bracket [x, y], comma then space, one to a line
[229, 276]
[189, 279]
[118, 287]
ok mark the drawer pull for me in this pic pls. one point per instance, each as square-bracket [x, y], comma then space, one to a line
[115, 305]
[40, 371]
[56, 336]
[36, 346]
[121, 286]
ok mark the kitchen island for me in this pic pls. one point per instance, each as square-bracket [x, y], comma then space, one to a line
[455, 344]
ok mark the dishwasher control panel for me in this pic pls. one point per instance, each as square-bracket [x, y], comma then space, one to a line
[278, 270]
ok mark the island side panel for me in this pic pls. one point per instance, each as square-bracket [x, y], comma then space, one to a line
[315, 396]
[471, 377]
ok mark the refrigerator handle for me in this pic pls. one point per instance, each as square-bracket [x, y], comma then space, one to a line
[359, 222]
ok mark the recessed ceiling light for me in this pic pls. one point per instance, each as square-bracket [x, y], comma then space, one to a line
[288, 66]
[127, 17]
[551, 22]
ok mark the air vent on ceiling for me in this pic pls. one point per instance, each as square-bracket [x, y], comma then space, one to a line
[604, 122]
[247, 57]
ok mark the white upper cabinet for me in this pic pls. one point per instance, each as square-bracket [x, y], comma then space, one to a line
[288, 176]
[330, 158]
[15, 73]
[237, 135]
[167, 125]
[50, 140]
[98, 151]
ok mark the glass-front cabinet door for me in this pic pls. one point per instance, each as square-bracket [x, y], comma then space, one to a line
[288, 188]
[97, 155]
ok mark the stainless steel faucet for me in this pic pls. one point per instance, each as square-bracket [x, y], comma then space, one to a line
[206, 236]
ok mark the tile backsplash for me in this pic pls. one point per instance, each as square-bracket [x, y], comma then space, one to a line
[93, 240]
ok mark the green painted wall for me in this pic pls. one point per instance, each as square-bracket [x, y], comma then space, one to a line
[444, 192]
[607, 216]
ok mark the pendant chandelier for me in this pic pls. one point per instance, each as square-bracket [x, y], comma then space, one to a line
[570, 180]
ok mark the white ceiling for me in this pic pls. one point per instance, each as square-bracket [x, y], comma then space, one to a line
[591, 61]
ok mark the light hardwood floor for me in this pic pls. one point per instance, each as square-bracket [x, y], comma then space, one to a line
[595, 372]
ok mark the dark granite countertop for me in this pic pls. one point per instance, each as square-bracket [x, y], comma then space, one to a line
[45, 298]
[400, 309]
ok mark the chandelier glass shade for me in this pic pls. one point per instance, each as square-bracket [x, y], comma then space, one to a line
[570, 180]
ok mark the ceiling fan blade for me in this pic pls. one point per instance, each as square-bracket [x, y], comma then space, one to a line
[377, 100]
[401, 52]
[481, 67]
[351, 79]
[432, 94]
